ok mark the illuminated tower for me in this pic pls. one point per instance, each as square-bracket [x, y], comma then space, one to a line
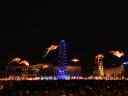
[101, 69]
[98, 60]
[62, 60]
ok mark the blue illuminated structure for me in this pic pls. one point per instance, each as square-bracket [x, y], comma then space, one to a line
[62, 60]
[125, 63]
[124, 67]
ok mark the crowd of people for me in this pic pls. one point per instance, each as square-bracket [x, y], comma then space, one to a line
[64, 88]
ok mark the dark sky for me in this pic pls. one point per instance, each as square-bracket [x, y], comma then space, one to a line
[92, 27]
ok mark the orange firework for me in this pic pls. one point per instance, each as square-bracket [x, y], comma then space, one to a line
[52, 47]
[117, 53]
[75, 60]
[25, 62]
[45, 66]
[17, 60]
[99, 57]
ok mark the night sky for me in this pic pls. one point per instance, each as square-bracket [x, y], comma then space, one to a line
[89, 28]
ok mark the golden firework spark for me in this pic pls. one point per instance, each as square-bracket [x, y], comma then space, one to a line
[25, 62]
[53, 47]
[75, 60]
[117, 53]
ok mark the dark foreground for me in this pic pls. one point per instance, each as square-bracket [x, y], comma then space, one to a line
[64, 88]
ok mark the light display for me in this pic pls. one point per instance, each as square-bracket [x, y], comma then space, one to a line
[62, 60]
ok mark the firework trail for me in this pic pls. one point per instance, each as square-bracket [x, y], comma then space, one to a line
[46, 53]
[17, 60]
[52, 47]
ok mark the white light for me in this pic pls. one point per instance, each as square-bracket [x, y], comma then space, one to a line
[125, 63]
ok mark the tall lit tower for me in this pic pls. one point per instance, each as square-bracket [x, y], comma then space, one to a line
[98, 60]
[62, 60]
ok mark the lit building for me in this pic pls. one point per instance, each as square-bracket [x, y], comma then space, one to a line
[39, 70]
